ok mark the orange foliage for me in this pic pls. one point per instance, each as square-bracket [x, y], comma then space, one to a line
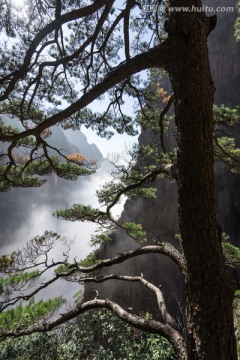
[163, 94]
[78, 158]
[166, 99]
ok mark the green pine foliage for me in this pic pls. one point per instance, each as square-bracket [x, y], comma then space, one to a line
[98, 240]
[82, 213]
[7, 129]
[226, 116]
[16, 109]
[97, 335]
[107, 194]
[236, 307]
[225, 149]
[90, 259]
[24, 316]
[237, 24]
[101, 123]
[232, 254]
[62, 269]
[16, 178]
[17, 281]
[66, 170]
[135, 231]
[23, 173]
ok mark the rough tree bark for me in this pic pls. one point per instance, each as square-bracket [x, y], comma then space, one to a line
[209, 318]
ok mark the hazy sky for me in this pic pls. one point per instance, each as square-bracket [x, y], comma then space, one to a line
[119, 141]
[116, 144]
[17, 228]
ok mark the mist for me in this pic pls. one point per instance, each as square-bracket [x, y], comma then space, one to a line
[27, 212]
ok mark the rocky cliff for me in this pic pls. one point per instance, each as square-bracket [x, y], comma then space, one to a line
[159, 216]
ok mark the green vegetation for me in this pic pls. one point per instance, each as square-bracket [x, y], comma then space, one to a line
[31, 314]
[237, 24]
[236, 307]
[232, 254]
[97, 335]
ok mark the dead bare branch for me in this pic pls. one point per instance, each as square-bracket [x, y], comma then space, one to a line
[144, 324]
[167, 318]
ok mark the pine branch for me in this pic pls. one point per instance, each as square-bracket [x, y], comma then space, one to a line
[163, 248]
[157, 56]
[151, 326]
[167, 318]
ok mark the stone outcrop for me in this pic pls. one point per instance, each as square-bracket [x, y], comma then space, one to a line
[159, 216]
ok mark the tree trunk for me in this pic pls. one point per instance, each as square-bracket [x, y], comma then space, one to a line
[209, 318]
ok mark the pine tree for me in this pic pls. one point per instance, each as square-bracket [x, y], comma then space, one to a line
[60, 62]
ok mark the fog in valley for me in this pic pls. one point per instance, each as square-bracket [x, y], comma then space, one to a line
[26, 213]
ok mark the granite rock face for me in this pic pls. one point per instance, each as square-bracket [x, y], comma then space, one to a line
[159, 216]
[225, 66]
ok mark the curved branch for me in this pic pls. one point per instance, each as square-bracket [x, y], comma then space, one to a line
[66, 59]
[151, 176]
[15, 300]
[235, 160]
[163, 248]
[129, 5]
[151, 326]
[168, 319]
[155, 57]
[54, 25]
